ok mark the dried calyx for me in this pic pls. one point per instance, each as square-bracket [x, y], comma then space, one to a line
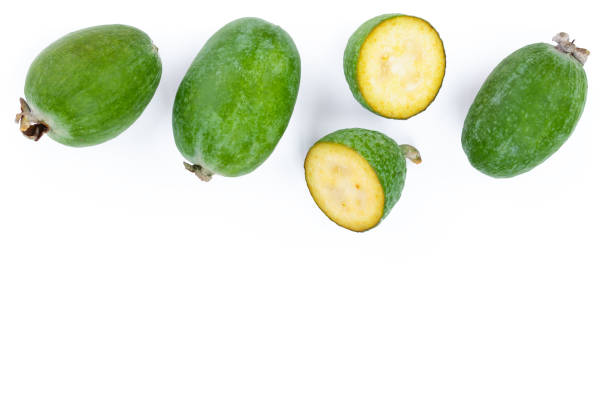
[30, 126]
[565, 45]
[203, 173]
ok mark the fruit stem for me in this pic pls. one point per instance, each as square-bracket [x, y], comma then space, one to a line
[30, 126]
[568, 47]
[202, 172]
[411, 153]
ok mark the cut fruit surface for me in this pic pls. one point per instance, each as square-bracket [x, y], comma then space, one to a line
[401, 66]
[344, 186]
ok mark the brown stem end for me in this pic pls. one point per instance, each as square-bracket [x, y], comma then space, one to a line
[30, 126]
[203, 173]
[411, 153]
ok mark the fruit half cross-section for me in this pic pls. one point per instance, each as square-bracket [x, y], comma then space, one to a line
[394, 65]
[356, 176]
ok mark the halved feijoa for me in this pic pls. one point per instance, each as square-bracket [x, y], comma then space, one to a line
[356, 176]
[394, 65]
[90, 85]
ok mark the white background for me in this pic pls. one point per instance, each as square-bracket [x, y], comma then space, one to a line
[126, 282]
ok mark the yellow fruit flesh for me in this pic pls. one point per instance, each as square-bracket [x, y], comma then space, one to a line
[344, 186]
[401, 66]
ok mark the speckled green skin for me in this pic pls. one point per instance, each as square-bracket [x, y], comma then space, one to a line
[526, 109]
[92, 84]
[383, 155]
[351, 55]
[237, 97]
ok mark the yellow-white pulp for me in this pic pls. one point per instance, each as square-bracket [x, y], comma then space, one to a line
[401, 66]
[344, 186]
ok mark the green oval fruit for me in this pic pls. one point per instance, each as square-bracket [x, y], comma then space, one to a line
[394, 65]
[526, 109]
[356, 176]
[236, 99]
[90, 85]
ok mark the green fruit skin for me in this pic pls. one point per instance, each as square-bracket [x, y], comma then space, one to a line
[383, 155]
[92, 84]
[236, 99]
[526, 109]
[351, 55]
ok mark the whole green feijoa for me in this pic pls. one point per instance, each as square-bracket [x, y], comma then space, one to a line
[527, 108]
[236, 99]
[90, 85]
